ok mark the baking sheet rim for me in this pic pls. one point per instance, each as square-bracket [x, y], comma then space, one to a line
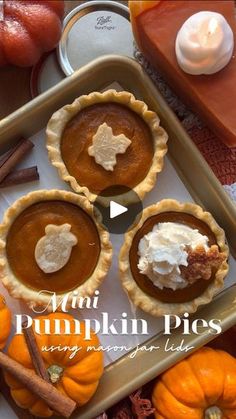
[12, 120]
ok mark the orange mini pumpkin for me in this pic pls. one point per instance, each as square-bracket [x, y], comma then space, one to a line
[77, 377]
[28, 29]
[5, 322]
[201, 386]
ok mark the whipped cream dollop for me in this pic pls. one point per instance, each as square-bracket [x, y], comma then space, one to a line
[204, 44]
[163, 251]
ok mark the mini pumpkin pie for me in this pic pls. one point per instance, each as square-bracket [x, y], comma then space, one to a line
[51, 241]
[174, 260]
[104, 140]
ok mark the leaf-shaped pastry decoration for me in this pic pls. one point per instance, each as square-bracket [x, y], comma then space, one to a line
[53, 250]
[106, 146]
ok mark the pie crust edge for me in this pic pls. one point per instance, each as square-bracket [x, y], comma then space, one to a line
[60, 118]
[150, 304]
[19, 290]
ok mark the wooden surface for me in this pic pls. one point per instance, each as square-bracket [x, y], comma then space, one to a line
[15, 82]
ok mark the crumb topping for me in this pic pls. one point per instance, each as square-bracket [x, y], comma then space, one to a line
[202, 263]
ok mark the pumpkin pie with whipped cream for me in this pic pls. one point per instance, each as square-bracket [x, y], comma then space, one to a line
[174, 260]
[103, 140]
[51, 241]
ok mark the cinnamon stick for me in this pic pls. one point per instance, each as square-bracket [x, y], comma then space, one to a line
[20, 176]
[6, 156]
[14, 157]
[35, 353]
[57, 401]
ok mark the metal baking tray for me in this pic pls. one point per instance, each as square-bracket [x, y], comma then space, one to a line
[127, 374]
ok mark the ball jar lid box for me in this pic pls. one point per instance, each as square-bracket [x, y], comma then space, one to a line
[93, 29]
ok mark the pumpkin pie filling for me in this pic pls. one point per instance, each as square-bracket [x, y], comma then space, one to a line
[197, 259]
[131, 167]
[27, 230]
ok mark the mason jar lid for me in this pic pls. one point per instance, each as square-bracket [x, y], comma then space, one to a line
[94, 29]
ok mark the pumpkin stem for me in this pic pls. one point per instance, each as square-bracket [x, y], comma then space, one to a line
[55, 372]
[213, 412]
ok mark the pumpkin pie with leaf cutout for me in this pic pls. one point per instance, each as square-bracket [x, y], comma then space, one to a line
[104, 140]
[174, 260]
[51, 241]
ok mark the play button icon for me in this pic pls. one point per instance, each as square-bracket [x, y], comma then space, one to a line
[116, 209]
[119, 208]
